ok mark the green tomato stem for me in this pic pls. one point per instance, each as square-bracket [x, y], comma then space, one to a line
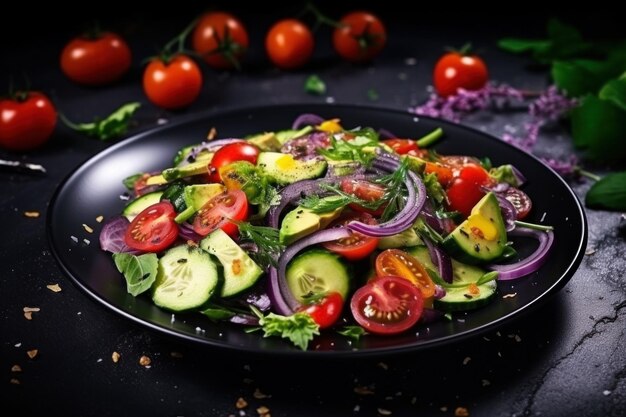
[534, 226]
[430, 138]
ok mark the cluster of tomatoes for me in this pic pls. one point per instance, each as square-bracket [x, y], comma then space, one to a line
[173, 79]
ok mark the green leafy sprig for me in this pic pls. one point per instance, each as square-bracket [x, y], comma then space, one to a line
[112, 126]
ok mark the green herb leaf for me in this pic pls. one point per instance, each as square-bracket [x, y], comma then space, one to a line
[517, 46]
[353, 332]
[299, 328]
[581, 76]
[314, 85]
[353, 150]
[609, 193]
[139, 271]
[504, 173]
[113, 126]
[489, 276]
[395, 190]
[615, 92]
[129, 182]
[372, 94]
[434, 188]
[218, 313]
[266, 240]
[598, 126]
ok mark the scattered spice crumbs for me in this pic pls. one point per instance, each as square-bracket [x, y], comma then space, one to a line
[241, 403]
[176, 355]
[212, 134]
[466, 360]
[32, 214]
[590, 251]
[363, 391]
[99, 219]
[15, 381]
[443, 409]
[509, 295]
[28, 312]
[259, 395]
[32, 353]
[54, 287]
[383, 365]
[383, 412]
[485, 382]
[144, 361]
[461, 412]
[263, 411]
[115, 357]
[87, 228]
[16, 368]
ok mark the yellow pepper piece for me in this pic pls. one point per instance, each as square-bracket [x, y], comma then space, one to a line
[286, 162]
[330, 126]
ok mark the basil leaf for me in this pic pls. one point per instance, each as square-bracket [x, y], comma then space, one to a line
[217, 313]
[608, 193]
[597, 125]
[353, 332]
[129, 182]
[114, 125]
[139, 271]
[314, 85]
[615, 92]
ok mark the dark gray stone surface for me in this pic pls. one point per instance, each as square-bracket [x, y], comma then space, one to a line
[567, 358]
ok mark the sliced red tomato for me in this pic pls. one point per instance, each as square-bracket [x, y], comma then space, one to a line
[218, 212]
[520, 200]
[325, 311]
[238, 151]
[401, 264]
[387, 305]
[402, 146]
[364, 190]
[474, 173]
[356, 246]
[154, 229]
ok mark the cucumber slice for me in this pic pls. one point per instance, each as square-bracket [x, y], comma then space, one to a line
[240, 271]
[138, 205]
[459, 298]
[317, 271]
[187, 277]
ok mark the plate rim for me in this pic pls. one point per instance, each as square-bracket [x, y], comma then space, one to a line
[538, 301]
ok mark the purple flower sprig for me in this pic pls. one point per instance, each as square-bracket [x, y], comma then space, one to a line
[548, 106]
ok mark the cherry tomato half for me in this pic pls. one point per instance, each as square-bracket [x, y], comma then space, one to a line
[520, 200]
[154, 229]
[401, 264]
[387, 305]
[96, 60]
[360, 37]
[356, 246]
[364, 190]
[227, 154]
[454, 70]
[289, 44]
[173, 84]
[402, 146]
[217, 213]
[221, 39]
[465, 190]
[444, 173]
[27, 121]
[326, 310]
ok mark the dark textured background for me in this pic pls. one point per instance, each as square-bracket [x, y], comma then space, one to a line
[569, 357]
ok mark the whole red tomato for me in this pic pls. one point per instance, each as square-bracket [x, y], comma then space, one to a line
[326, 310]
[26, 121]
[221, 39]
[360, 37]
[172, 83]
[96, 60]
[289, 44]
[455, 70]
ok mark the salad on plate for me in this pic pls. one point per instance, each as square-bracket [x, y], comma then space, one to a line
[320, 228]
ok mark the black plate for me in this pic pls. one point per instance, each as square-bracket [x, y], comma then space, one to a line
[94, 190]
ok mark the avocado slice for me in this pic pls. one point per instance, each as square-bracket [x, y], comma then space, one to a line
[196, 196]
[301, 222]
[195, 168]
[482, 237]
[283, 169]
[265, 141]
